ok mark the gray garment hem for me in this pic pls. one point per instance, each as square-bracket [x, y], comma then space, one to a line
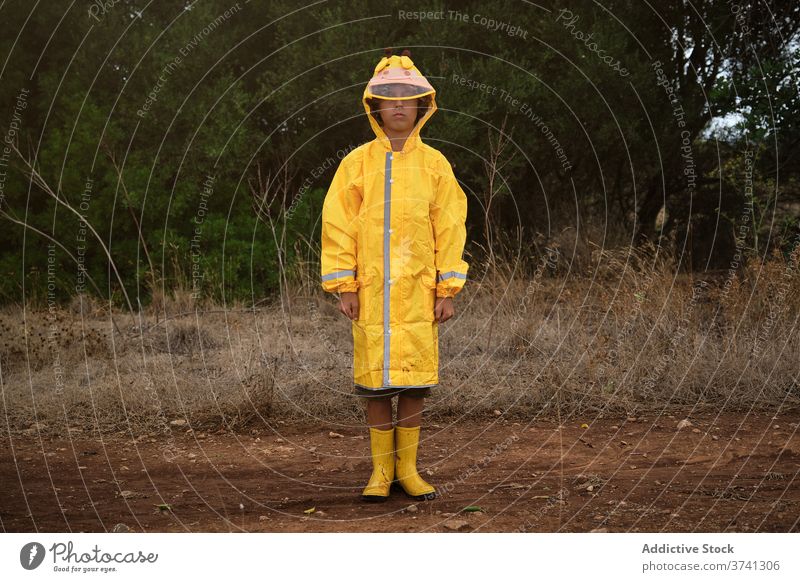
[389, 391]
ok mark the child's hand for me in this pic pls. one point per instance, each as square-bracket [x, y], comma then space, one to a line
[348, 304]
[443, 309]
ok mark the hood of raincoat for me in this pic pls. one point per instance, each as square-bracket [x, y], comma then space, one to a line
[396, 78]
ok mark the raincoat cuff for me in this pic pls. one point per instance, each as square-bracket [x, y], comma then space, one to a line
[443, 291]
[348, 287]
[340, 282]
[449, 283]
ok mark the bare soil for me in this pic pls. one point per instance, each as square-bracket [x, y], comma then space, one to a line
[736, 472]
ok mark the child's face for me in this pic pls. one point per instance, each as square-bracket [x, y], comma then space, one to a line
[398, 116]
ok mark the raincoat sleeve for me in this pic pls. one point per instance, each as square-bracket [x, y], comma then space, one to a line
[449, 216]
[340, 227]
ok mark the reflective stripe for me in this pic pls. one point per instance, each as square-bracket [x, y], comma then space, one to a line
[387, 222]
[449, 274]
[338, 274]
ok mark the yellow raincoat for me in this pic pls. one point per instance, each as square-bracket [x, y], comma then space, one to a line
[393, 229]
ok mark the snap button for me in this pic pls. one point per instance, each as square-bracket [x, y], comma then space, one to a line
[391, 180]
[391, 231]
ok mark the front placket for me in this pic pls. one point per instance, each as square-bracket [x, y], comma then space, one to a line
[387, 281]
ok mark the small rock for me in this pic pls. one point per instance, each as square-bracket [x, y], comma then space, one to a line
[448, 514]
[685, 423]
[614, 427]
[497, 412]
[263, 518]
[599, 530]
[714, 438]
[127, 494]
[696, 430]
[279, 440]
[192, 456]
[599, 517]
[412, 509]
[456, 524]
[120, 528]
[631, 419]
[335, 435]
[178, 422]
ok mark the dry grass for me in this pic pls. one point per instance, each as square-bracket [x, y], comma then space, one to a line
[621, 333]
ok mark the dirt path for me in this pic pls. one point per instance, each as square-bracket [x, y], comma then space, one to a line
[731, 473]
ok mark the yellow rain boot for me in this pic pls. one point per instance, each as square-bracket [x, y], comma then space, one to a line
[407, 441]
[382, 445]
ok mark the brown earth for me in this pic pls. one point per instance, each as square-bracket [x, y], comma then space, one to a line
[735, 472]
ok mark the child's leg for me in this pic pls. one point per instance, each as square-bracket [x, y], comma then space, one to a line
[379, 413]
[409, 410]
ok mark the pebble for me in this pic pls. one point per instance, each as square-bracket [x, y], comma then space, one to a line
[412, 509]
[456, 524]
[684, 423]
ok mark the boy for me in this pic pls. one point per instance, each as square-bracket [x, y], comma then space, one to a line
[393, 234]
